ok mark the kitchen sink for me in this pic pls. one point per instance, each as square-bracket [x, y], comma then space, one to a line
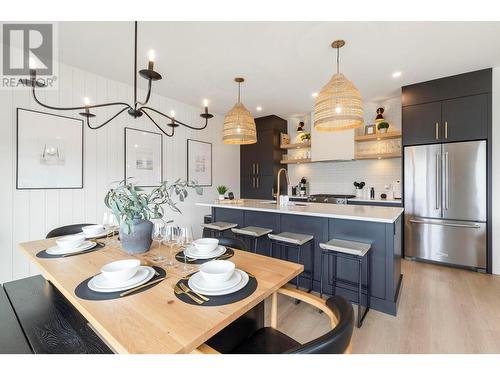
[288, 204]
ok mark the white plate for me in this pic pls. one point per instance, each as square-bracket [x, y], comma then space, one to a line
[85, 245]
[200, 283]
[243, 282]
[191, 252]
[100, 284]
[103, 234]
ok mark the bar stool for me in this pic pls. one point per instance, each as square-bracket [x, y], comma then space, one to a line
[297, 241]
[218, 228]
[352, 250]
[252, 234]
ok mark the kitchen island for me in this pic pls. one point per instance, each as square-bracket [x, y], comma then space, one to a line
[380, 226]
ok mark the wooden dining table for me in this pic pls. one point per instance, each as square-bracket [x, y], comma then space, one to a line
[155, 320]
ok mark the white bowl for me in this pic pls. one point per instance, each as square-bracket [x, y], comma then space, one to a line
[121, 270]
[217, 271]
[70, 242]
[92, 230]
[206, 245]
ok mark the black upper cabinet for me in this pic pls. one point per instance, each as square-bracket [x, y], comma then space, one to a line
[259, 162]
[421, 124]
[465, 118]
[451, 109]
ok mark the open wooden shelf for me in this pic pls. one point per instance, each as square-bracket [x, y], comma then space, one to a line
[295, 161]
[296, 145]
[378, 136]
[377, 156]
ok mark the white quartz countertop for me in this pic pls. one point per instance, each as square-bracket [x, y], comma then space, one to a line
[335, 211]
[376, 200]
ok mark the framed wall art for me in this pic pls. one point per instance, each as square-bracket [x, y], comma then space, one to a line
[143, 157]
[199, 162]
[49, 151]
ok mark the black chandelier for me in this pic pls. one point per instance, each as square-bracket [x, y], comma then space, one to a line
[137, 110]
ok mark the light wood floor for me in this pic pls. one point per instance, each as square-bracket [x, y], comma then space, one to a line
[442, 310]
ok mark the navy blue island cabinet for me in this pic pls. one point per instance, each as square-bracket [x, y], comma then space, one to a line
[385, 239]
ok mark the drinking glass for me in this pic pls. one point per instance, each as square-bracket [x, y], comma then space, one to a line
[157, 235]
[113, 228]
[170, 239]
[107, 224]
[186, 239]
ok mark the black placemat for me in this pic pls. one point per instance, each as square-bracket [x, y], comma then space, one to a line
[228, 254]
[220, 300]
[43, 254]
[82, 290]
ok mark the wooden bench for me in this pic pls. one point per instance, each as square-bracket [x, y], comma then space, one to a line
[51, 325]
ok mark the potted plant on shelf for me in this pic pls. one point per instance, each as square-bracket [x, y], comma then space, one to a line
[133, 209]
[382, 127]
[222, 190]
[305, 137]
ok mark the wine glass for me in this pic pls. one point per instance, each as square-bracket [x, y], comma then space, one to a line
[107, 224]
[186, 239]
[170, 238]
[112, 227]
[157, 235]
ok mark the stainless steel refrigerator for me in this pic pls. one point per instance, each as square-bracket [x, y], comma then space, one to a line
[445, 203]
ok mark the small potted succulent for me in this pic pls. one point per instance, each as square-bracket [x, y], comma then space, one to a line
[382, 127]
[133, 209]
[222, 190]
[305, 137]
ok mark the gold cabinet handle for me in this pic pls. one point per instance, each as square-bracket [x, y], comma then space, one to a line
[437, 130]
[253, 182]
[258, 182]
[258, 167]
[253, 168]
[446, 130]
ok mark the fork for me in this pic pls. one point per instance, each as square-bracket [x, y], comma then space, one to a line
[178, 290]
[187, 290]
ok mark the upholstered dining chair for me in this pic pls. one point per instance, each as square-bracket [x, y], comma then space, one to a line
[269, 340]
[66, 230]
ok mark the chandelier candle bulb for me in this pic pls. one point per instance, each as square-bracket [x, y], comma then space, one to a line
[151, 55]
[205, 104]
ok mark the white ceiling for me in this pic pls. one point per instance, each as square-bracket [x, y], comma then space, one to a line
[283, 62]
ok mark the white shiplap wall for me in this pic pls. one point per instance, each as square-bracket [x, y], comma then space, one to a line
[338, 177]
[28, 215]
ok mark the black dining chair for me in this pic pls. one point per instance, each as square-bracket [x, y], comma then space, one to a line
[235, 243]
[66, 230]
[269, 340]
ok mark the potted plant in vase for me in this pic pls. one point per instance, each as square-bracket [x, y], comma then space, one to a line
[133, 209]
[222, 190]
[305, 137]
[382, 127]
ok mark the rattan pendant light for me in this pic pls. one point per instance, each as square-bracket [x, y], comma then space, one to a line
[239, 125]
[338, 105]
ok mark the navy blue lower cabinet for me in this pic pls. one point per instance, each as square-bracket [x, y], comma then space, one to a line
[385, 239]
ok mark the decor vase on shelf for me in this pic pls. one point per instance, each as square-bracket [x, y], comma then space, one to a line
[383, 127]
[133, 209]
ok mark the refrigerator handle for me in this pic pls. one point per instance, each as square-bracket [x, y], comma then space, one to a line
[446, 181]
[438, 183]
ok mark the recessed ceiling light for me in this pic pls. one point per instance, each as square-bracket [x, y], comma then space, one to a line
[396, 74]
[259, 108]
[314, 94]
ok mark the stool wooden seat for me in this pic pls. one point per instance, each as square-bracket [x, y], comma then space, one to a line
[219, 227]
[252, 233]
[352, 250]
[292, 238]
[295, 240]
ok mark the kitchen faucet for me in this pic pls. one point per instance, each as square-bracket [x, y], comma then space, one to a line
[278, 185]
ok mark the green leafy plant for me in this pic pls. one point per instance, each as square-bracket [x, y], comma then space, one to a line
[306, 136]
[222, 189]
[383, 125]
[129, 202]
